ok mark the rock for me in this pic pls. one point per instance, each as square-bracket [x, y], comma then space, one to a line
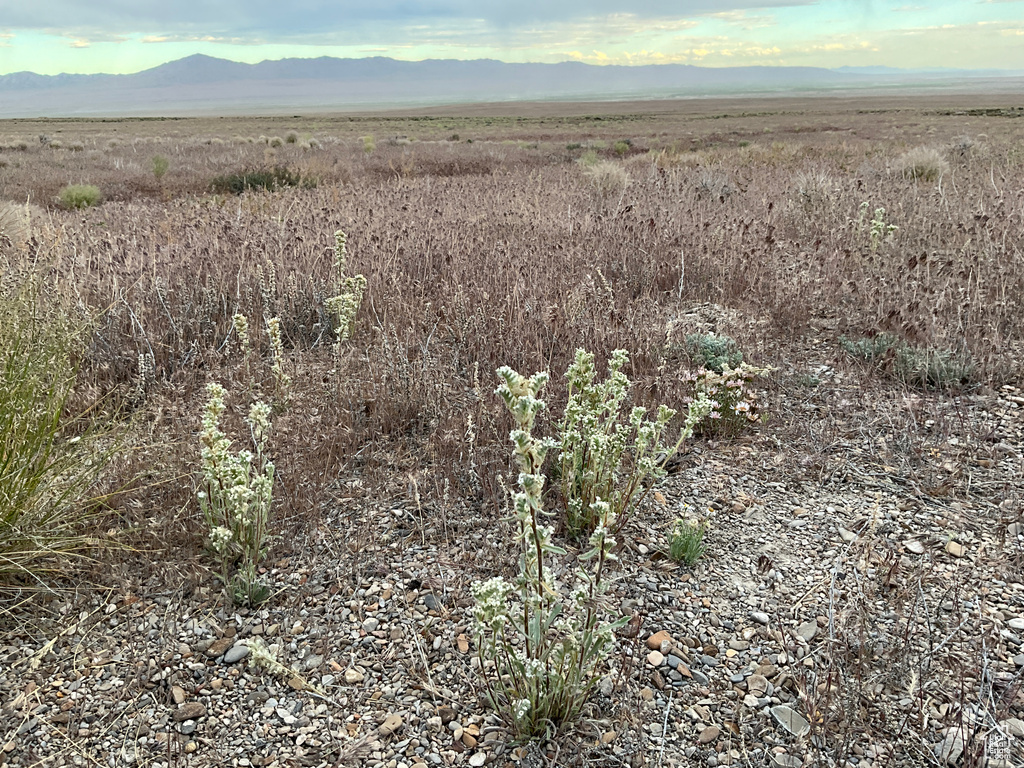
[391, 724]
[760, 617]
[757, 685]
[178, 694]
[371, 624]
[709, 734]
[655, 658]
[469, 739]
[606, 685]
[1015, 529]
[1017, 624]
[914, 546]
[477, 759]
[739, 645]
[767, 670]
[218, 647]
[191, 711]
[750, 701]
[955, 548]
[646, 694]
[807, 630]
[847, 536]
[353, 676]
[951, 747]
[1018, 660]
[447, 714]
[791, 720]
[1013, 727]
[237, 652]
[786, 761]
[654, 641]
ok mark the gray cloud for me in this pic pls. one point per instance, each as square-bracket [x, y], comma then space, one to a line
[343, 22]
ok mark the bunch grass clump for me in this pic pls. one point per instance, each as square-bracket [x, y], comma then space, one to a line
[77, 196]
[686, 540]
[713, 352]
[922, 163]
[50, 459]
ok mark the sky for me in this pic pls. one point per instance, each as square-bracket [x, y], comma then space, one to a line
[122, 36]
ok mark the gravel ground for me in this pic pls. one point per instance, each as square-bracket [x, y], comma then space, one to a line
[860, 604]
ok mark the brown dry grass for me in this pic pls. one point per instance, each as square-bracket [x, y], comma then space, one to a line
[490, 249]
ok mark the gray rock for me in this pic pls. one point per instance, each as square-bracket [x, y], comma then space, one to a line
[370, 624]
[950, 748]
[237, 652]
[760, 617]
[786, 761]
[1016, 624]
[807, 631]
[699, 677]
[791, 720]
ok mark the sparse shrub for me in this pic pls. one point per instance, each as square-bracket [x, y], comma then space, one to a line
[76, 146]
[15, 225]
[814, 187]
[923, 367]
[160, 166]
[50, 459]
[541, 655]
[257, 178]
[236, 494]
[620, 148]
[80, 196]
[55, 144]
[714, 185]
[292, 137]
[588, 159]
[573, 146]
[962, 145]
[369, 145]
[686, 540]
[275, 141]
[922, 163]
[608, 181]
[714, 352]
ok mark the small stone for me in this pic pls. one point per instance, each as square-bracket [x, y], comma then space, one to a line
[1013, 727]
[218, 647]
[178, 694]
[1017, 624]
[655, 658]
[1018, 660]
[786, 761]
[807, 631]
[738, 645]
[391, 724]
[447, 714]
[757, 685]
[914, 546]
[191, 711]
[760, 617]
[191, 747]
[371, 624]
[608, 737]
[647, 694]
[791, 720]
[750, 701]
[296, 683]
[237, 652]
[477, 759]
[469, 739]
[847, 536]
[951, 747]
[709, 734]
[955, 548]
[654, 641]
[767, 670]
[353, 676]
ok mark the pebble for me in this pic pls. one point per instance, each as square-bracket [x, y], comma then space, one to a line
[353, 676]
[955, 548]
[709, 734]
[914, 546]
[391, 724]
[655, 658]
[760, 617]
[237, 652]
[191, 711]
[477, 759]
[654, 641]
[791, 720]
[807, 631]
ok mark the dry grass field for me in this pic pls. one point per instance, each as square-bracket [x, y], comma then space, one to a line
[864, 560]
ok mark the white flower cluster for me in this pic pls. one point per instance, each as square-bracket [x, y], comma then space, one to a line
[237, 487]
[345, 304]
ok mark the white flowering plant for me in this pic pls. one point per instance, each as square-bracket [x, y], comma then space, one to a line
[344, 304]
[235, 497]
[539, 650]
[731, 395]
[607, 456]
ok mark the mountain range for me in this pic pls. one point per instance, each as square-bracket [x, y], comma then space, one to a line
[201, 84]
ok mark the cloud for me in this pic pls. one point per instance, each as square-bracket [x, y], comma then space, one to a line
[346, 21]
[743, 20]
